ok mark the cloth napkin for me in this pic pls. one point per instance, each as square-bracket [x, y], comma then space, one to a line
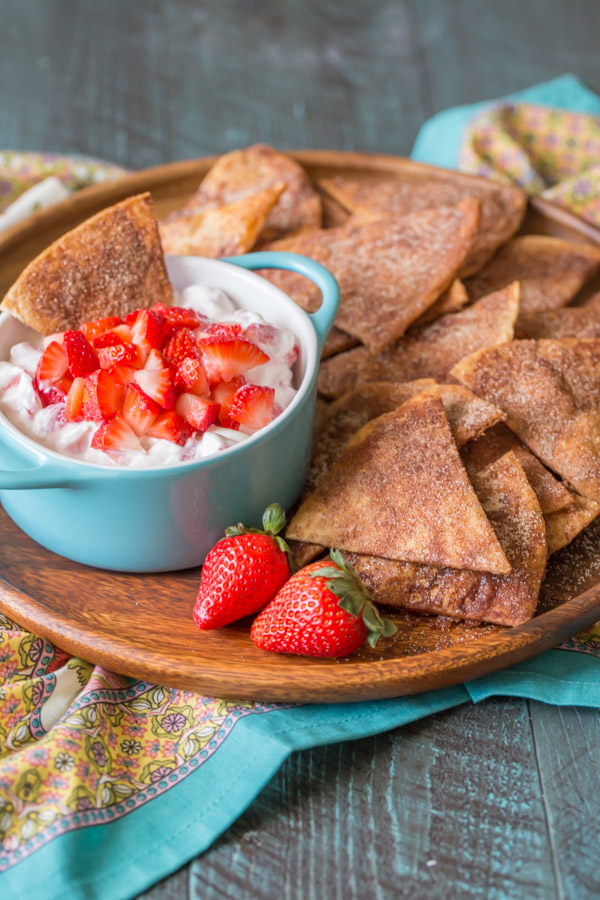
[109, 784]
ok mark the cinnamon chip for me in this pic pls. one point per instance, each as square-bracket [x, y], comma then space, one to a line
[551, 493]
[109, 265]
[337, 341]
[511, 599]
[550, 391]
[550, 270]
[379, 194]
[222, 231]
[570, 322]
[400, 490]
[389, 272]
[430, 352]
[453, 299]
[564, 525]
[239, 174]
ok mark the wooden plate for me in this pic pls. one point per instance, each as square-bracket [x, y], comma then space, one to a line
[140, 625]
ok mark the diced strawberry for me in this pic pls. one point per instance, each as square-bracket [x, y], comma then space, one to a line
[199, 412]
[179, 346]
[154, 360]
[139, 410]
[192, 377]
[92, 329]
[157, 384]
[74, 404]
[122, 374]
[52, 365]
[252, 405]
[119, 354]
[170, 427]
[273, 341]
[102, 395]
[123, 331]
[80, 355]
[225, 329]
[179, 316]
[51, 394]
[224, 357]
[147, 329]
[107, 339]
[115, 434]
[223, 393]
[58, 336]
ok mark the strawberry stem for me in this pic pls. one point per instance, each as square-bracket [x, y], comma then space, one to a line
[273, 522]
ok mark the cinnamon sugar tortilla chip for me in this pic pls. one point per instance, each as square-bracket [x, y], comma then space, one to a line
[337, 341]
[453, 299]
[569, 322]
[550, 270]
[240, 173]
[399, 490]
[550, 391]
[564, 525]
[109, 265]
[513, 510]
[551, 493]
[221, 231]
[431, 351]
[389, 272]
[379, 194]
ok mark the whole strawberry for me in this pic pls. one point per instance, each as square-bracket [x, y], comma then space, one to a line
[323, 610]
[242, 572]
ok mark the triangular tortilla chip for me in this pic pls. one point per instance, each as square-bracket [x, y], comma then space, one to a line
[240, 173]
[550, 391]
[551, 493]
[564, 525]
[511, 599]
[337, 341]
[593, 302]
[569, 322]
[109, 265]
[399, 490]
[453, 299]
[550, 270]
[502, 206]
[220, 231]
[430, 352]
[389, 272]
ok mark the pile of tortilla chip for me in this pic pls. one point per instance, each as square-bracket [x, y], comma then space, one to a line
[458, 443]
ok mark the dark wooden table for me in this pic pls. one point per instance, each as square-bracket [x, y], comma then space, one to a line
[497, 801]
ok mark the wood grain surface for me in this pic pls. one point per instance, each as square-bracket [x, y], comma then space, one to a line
[145, 82]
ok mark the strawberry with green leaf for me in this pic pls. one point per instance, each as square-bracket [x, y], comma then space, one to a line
[323, 610]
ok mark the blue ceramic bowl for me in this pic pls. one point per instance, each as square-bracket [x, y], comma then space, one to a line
[160, 519]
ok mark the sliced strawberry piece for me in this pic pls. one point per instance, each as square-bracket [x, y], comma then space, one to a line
[107, 339]
[224, 393]
[115, 434]
[157, 384]
[74, 403]
[102, 395]
[123, 331]
[179, 346]
[154, 360]
[192, 377]
[179, 316]
[80, 355]
[93, 329]
[225, 329]
[52, 365]
[171, 427]
[52, 394]
[119, 354]
[224, 357]
[253, 405]
[122, 374]
[147, 329]
[139, 410]
[199, 412]
[58, 336]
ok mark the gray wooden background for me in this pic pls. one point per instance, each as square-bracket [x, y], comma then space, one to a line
[498, 801]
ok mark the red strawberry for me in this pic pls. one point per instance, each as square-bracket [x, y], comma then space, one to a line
[154, 360]
[192, 378]
[323, 610]
[225, 357]
[115, 434]
[80, 355]
[107, 339]
[225, 329]
[242, 572]
[170, 427]
[224, 393]
[74, 404]
[139, 410]
[147, 329]
[92, 329]
[121, 373]
[199, 412]
[102, 395]
[179, 346]
[253, 406]
[179, 316]
[52, 365]
[157, 383]
[119, 354]
[123, 331]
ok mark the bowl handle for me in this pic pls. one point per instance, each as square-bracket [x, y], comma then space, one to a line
[323, 318]
[43, 473]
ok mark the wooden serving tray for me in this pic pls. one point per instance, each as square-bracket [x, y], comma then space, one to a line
[140, 625]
